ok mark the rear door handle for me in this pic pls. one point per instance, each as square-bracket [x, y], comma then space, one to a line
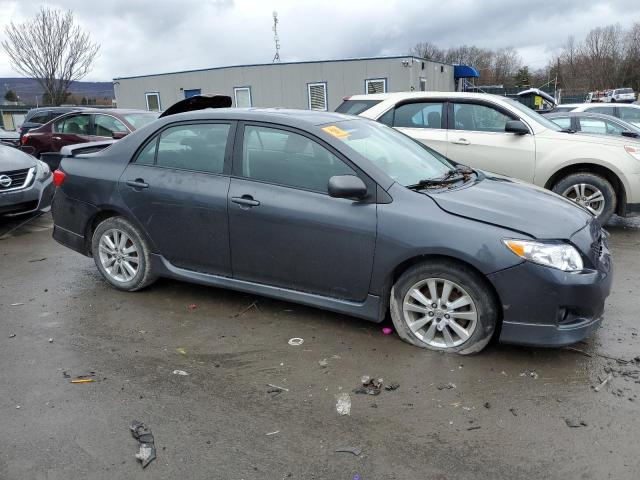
[461, 141]
[137, 183]
[245, 201]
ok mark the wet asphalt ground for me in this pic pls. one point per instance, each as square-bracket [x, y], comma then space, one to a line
[504, 413]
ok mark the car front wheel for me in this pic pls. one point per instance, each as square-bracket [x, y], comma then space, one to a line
[592, 191]
[443, 306]
[122, 255]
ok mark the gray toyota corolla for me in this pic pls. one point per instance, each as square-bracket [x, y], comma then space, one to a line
[339, 213]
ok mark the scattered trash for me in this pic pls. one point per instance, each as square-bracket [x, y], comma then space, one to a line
[387, 330]
[514, 412]
[487, 405]
[530, 373]
[191, 307]
[474, 427]
[272, 433]
[82, 380]
[181, 350]
[147, 452]
[295, 341]
[18, 407]
[606, 380]
[12, 335]
[16, 304]
[51, 340]
[446, 386]
[354, 450]
[245, 310]
[324, 363]
[180, 372]
[575, 422]
[343, 404]
[391, 387]
[276, 388]
[37, 260]
[370, 386]
[88, 378]
[65, 374]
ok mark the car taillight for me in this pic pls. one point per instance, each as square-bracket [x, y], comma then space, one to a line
[58, 177]
[24, 139]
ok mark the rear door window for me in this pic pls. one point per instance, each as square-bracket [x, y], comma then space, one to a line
[593, 125]
[106, 126]
[198, 147]
[419, 115]
[287, 158]
[41, 117]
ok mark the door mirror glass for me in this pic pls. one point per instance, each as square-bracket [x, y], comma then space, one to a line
[346, 186]
[516, 126]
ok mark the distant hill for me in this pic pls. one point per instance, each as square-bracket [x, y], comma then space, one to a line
[27, 89]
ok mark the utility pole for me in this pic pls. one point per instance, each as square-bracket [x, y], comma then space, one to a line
[276, 39]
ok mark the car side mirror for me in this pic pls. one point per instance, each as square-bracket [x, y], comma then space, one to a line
[516, 126]
[627, 133]
[347, 186]
[119, 135]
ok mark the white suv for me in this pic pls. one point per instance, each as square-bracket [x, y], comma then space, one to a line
[621, 95]
[501, 135]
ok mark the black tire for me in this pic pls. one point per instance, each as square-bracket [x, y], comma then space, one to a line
[145, 274]
[601, 183]
[473, 283]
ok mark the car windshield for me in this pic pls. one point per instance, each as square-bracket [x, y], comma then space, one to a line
[545, 122]
[402, 158]
[138, 120]
[624, 90]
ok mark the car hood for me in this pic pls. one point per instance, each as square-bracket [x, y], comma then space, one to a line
[13, 159]
[515, 205]
[611, 140]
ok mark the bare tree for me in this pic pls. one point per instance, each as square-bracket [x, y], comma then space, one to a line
[429, 51]
[51, 49]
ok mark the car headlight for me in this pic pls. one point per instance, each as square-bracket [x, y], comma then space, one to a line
[633, 151]
[562, 256]
[42, 170]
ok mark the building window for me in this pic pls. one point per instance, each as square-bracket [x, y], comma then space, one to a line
[242, 96]
[192, 92]
[317, 95]
[153, 101]
[375, 85]
[423, 84]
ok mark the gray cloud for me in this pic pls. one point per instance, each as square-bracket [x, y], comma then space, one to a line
[148, 36]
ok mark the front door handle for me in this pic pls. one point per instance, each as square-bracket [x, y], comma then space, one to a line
[461, 141]
[245, 201]
[56, 138]
[137, 183]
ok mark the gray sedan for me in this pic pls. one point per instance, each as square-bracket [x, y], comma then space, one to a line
[594, 123]
[341, 213]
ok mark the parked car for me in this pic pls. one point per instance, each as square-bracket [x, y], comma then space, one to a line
[628, 112]
[36, 117]
[620, 95]
[9, 138]
[499, 134]
[86, 126]
[341, 213]
[26, 184]
[594, 123]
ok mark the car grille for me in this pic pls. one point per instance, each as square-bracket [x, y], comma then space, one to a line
[19, 179]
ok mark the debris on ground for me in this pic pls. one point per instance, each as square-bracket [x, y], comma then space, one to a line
[147, 452]
[246, 309]
[446, 386]
[88, 378]
[16, 304]
[370, 386]
[343, 404]
[391, 387]
[487, 405]
[474, 427]
[276, 389]
[65, 374]
[272, 433]
[530, 373]
[191, 307]
[37, 260]
[18, 407]
[51, 340]
[514, 412]
[180, 372]
[387, 331]
[324, 363]
[575, 422]
[597, 388]
[181, 350]
[12, 335]
[296, 341]
[82, 380]
[353, 450]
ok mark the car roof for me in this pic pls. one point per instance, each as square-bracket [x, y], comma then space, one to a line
[409, 95]
[283, 116]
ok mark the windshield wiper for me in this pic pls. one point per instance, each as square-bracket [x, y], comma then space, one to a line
[451, 176]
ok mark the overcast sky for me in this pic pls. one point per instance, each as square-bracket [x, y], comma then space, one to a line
[152, 36]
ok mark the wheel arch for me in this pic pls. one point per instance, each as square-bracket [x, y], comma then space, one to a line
[607, 173]
[105, 212]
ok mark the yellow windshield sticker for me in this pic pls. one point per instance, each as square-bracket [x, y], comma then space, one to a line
[335, 131]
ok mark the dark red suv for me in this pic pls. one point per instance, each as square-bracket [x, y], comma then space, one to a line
[84, 126]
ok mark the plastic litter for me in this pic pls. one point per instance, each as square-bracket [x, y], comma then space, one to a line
[181, 350]
[276, 388]
[446, 386]
[391, 387]
[605, 381]
[324, 363]
[82, 380]
[387, 330]
[354, 450]
[370, 386]
[147, 449]
[180, 372]
[16, 304]
[575, 422]
[12, 335]
[191, 307]
[51, 340]
[343, 404]
[272, 433]
[296, 341]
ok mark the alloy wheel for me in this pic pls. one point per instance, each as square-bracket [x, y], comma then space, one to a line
[586, 195]
[119, 255]
[440, 312]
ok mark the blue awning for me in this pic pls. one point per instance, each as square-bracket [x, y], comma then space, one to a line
[464, 71]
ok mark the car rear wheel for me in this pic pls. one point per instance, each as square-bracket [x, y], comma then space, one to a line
[592, 191]
[443, 306]
[122, 255]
